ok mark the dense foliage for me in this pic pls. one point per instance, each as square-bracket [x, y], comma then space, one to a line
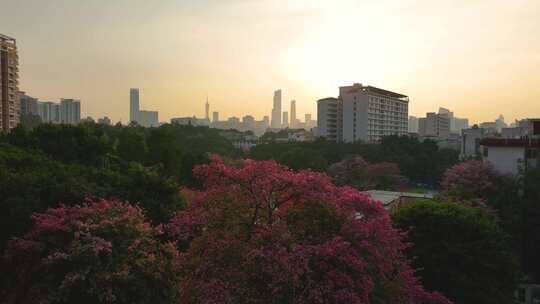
[459, 251]
[31, 182]
[174, 149]
[261, 233]
[358, 173]
[98, 252]
[51, 164]
[514, 200]
[420, 162]
[470, 179]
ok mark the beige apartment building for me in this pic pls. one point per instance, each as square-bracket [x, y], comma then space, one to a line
[9, 82]
[362, 113]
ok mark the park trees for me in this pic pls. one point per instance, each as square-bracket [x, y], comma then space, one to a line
[98, 252]
[358, 173]
[460, 251]
[261, 233]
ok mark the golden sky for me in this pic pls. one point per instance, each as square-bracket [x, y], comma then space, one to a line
[478, 58]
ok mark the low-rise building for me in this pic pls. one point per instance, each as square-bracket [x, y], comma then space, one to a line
[189, 121]
[392, 199]
[511, 156]
[240, 140]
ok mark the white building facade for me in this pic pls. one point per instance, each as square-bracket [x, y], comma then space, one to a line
[362, 113]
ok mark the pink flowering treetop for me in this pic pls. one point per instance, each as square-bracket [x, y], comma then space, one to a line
[261, 233]
[98, 252]
[358, 173]
[470, 179]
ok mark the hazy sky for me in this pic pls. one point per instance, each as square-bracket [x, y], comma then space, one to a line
[478, 58]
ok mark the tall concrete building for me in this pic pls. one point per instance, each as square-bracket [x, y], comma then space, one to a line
[329, 118]
[148, 119]
[434, 125]
[207, 110]
[413, 124]
[215, 117]
[307, 119]
[70, 111]
[9, 82]
[276, 111]
[143, 118]
[29, 105]
[460, 124]
[450, 115]
[134, 106]
[362, 113]
[285, 120]
[456, 124]
[49, 112]
[293, 121]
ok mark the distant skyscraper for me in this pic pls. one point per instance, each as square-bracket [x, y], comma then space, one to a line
[143, 118]
[285, 119]
[9, 80]
[276, 110]
[70, 111]
[215, 116]
[413, 124]
[293, 114]
[307, 118]
[207, 110]
[434, 125]
[29, 105]
[134, 106]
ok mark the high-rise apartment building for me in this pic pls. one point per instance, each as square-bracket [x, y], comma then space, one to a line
[285, 120]
[9, 82]
[293, 114]
[456, 124]
[413, 124]
[434, 125]
[215, 116]
[460, 124]
[362, 113]
[70, 111]
[276, 111]
[329, 118]
[29, 105]
[134, 106]
[307, 119]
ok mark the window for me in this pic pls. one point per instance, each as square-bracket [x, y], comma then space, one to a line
[485, 151]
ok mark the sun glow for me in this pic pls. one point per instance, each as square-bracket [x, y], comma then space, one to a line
[345, 48]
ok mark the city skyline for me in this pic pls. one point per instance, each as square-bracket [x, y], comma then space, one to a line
[418, 54]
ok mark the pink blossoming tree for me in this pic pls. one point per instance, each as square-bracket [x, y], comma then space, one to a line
[470, 179]
[98, 252]
[261, 233]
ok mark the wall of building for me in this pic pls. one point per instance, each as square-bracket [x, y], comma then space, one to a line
[506, 160]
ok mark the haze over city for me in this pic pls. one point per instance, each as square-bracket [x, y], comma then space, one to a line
[478, 58]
